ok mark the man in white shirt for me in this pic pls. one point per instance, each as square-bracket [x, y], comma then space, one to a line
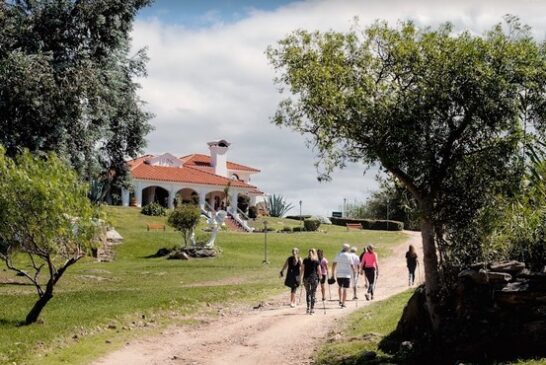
[343, 270]
[356, 273]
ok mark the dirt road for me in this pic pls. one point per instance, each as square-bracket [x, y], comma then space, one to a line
[273, 334]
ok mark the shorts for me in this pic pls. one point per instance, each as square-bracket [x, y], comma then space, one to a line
[323, 280]
[344, 282]
[355, 280]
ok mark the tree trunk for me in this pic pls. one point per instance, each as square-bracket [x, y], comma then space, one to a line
[432, 277]
[39, 305]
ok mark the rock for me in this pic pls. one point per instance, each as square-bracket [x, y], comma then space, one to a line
[406, 346]
[511, 267]
[112, 327]
[478, 277]
[178, 255]
[162, 252]
[498, 277]
[107, 341]
[113, 237]
[369, 355]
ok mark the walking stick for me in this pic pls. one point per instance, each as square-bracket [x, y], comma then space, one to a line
[301, 291]
[324, 306]
[329, 292]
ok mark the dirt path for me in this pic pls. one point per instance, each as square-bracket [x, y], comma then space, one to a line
[273, 334]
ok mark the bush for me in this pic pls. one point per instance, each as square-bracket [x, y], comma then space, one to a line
[298, 229]
[371, 224]
[311, 224]
[184, 219]
[286, 229]
[252, 212]
[154, 209]
[297, 217]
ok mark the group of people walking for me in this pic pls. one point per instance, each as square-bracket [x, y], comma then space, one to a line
[347, 266]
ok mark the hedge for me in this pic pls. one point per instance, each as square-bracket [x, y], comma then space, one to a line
[372, 224]
[297, 217]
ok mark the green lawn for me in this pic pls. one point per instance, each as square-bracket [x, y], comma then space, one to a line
[136, 294]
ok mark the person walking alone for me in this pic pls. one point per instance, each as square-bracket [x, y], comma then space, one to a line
[371, 270]
[343, 270]
[311, 277]
[411, 262]
[293, 278]
[324, 271]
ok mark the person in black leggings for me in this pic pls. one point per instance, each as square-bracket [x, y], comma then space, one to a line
[311, 277]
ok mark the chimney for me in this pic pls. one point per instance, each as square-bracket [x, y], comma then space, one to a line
[218, 156]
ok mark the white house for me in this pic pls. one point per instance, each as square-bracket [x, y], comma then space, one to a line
[197, 177]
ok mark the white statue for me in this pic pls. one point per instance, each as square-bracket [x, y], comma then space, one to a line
[215, 222]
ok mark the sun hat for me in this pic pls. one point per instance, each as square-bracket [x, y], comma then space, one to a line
[353, 249]
[345, 247]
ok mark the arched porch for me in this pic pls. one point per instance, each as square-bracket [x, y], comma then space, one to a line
[155, 194]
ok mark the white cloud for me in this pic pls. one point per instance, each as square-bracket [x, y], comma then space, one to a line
[215, 82]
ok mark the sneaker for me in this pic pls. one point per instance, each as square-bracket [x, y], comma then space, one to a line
[307, 311]
[367, 296]
[343, 305]
[372, 296]
[312, 311]
[292, 305]
[355, 298]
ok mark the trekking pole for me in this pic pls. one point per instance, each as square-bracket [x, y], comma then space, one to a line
[324, 306]
[301, 291]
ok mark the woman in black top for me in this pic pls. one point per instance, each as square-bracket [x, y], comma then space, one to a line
[311, 277]
[293, 278]
[411, 262]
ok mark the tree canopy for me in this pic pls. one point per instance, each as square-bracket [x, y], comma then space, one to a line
[67, 84]
[447, 113]
[46, 218]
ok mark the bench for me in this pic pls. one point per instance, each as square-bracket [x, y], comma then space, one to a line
[353, 225]
[155, 226]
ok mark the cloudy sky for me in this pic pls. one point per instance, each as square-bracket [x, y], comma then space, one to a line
[208, 78]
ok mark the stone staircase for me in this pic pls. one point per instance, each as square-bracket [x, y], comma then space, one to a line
[233, 225]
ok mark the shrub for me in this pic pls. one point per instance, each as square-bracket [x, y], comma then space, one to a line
[372, 224]
[184, 219]
[252, 212]
[298, 229]
[154, 209]
[311, 225]
[298, 217]
[286, 229]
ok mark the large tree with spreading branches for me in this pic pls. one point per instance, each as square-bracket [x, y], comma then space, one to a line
[67, 84]
[446, 113]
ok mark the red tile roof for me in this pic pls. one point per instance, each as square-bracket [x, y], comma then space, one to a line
[186, 174]
[200, 161]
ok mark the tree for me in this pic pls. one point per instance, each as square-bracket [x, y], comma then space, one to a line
[46, 218]
[66, 84]
[392, 201]
[184, 218]
[445, 113]
[277, 206]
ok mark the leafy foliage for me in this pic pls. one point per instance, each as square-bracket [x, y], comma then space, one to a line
[445, 113]
[44, 214]
[277, 206]
[184, 218]
[392, 202]
[311, 225]
[66, 84]
[154, 209]
[252, 212]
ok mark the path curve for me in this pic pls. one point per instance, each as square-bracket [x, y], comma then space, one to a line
[261, 336]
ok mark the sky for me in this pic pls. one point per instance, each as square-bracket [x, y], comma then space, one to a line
[209, 79]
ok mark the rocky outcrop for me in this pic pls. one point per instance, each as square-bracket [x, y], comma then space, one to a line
[495, 311]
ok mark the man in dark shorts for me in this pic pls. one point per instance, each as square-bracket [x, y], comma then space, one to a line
[343, 270]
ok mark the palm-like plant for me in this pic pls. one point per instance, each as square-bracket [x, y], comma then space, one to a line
[277, 206]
